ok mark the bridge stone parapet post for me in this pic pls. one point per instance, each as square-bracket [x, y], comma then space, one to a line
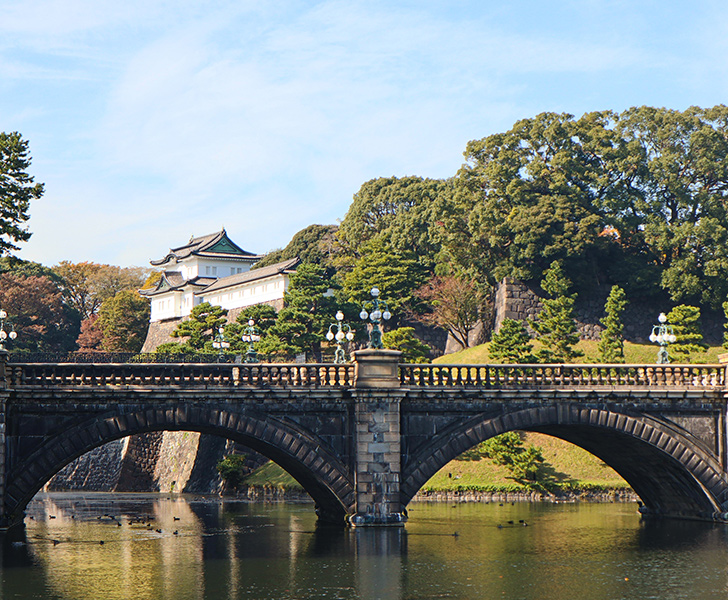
[378, 472]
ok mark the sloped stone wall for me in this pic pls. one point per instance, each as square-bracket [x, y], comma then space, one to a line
[96, 471]
[519, 301]
[169, 461]
[160, 332]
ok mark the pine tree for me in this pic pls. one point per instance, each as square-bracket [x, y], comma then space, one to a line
[555, 323]
[403, 339]
[611, 342]
[511, 344]
[200, 329]
[685, 321]
[303, 322]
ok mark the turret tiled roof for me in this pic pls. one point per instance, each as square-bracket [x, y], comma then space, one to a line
[214, 245]
[172, 281]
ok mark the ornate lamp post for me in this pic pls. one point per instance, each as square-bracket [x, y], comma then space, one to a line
[220, 343]
[5, 335]
[375, 315]
[663, 335]
[251, 335]
[343, 330]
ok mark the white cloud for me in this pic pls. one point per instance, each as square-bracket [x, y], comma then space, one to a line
[268, 117]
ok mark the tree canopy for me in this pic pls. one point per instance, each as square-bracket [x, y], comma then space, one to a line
[402, 213]
[636, 199]
[309, 309]
[314, 244]
[17, 189]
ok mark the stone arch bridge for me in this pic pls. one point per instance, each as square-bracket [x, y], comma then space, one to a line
[363, 437]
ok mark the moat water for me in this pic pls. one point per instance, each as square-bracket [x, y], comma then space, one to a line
[106, 547]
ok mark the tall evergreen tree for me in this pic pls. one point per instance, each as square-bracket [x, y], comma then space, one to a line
[16, 190]
[302, 323]
[611, 342]
[511, 344]
[555, 323]
[685, 321]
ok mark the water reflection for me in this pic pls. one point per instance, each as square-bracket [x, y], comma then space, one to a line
[171, 547]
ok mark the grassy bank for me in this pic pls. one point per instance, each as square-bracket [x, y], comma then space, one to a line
[568, 466]
[633, 353]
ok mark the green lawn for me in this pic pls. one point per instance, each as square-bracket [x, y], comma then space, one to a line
[271, 475]
[568, 465]
[633, 353]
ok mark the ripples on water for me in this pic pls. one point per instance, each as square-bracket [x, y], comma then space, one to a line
[98, 546]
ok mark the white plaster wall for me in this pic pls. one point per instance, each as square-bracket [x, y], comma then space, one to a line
[255, 292]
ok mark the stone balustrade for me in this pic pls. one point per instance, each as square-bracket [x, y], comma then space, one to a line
[562, 375]
[20, 375]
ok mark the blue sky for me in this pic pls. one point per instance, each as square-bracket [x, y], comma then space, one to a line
[152, 120]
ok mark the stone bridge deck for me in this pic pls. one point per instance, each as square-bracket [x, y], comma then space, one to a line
[363, 437]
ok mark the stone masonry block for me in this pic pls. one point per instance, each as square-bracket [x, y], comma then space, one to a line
[378, 447]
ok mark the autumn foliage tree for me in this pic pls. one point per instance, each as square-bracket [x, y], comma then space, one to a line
[92, 336]
[456, 304]
[36, 310]
[86, 285]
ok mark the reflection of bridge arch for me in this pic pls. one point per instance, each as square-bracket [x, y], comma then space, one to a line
[671, 470]
[299, 452]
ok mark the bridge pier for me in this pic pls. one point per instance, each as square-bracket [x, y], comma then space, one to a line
[377, 437]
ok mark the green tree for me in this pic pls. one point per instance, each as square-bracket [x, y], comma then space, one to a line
[264, 316]
[27, 268]
[678, 209]
[396, 274]
[507, 449]
[124, 321]
[611, 342]
[511, 344]
[555, 323]
[403, 339]
[16, 190]
[532, 195]
[455, 303]
[634, 199]
[232, 469]
[404, 214]
[314, 244]
[685, 321]
[199, 330]
[302, 324]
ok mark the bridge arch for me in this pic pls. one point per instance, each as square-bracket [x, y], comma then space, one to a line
[326, 479]
[671, 470]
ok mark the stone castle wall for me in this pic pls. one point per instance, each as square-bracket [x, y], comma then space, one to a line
[169, 461]
[519, 301]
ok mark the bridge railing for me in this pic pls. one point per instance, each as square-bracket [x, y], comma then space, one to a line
[183, 374]
[562, 375]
